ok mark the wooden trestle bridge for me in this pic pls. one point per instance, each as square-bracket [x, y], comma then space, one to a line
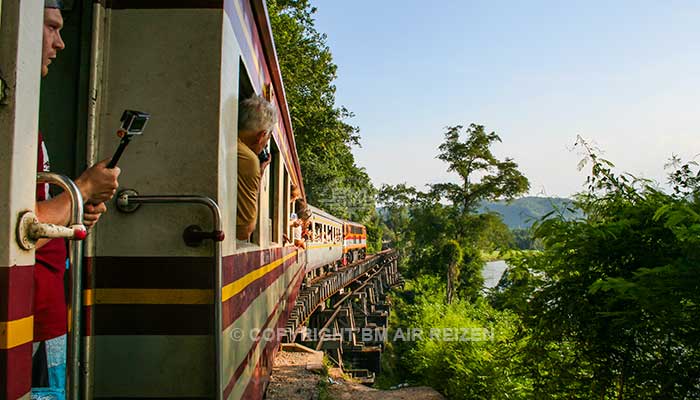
[345, 313]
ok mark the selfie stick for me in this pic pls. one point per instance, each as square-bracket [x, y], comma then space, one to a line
[133, 123]
[126, 138]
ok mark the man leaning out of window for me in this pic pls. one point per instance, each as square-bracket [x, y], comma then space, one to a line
[256, 120]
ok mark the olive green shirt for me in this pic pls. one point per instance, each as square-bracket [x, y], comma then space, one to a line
[248, 186]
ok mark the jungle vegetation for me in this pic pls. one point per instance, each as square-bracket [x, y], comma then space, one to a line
[607, 308]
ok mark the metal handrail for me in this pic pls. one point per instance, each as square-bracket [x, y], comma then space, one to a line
[129, 200]
[76, 261]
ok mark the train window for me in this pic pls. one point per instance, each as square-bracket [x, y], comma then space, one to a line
[245, 87]
[255, 237]
[285, 200]
[273, 192]
[245, 90]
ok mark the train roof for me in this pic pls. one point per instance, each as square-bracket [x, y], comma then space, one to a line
[345, 221]
[324, 214]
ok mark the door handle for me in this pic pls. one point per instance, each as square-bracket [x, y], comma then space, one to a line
[30, 230]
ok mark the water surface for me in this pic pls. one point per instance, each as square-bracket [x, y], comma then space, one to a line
[492, 273]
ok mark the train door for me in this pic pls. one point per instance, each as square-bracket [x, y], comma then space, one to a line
[152, 300]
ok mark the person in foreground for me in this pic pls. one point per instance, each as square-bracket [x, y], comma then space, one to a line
[97, 185]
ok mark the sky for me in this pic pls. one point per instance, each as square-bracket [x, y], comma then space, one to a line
[625, 75]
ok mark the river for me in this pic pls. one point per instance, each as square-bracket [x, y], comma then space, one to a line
[492, 273]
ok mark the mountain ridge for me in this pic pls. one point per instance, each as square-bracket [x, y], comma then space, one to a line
[521, 213]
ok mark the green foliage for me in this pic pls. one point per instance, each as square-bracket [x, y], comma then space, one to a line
[607, 310]
[524, 240]
[471, 280]
[610, 306]
[450, 256]
[488, 233]
[375, 233]
[323, 386]
[464, 348]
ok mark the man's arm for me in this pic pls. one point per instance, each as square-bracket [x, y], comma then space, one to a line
[248, 192]
[249, 189]
[264, 165]
[250, 229]
[97, 185]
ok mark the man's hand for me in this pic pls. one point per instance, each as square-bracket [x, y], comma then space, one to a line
[92, 214]
[265, 164]
[98, 183]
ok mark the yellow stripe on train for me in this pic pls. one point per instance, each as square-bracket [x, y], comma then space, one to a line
[16, 333]
[176, 296]
[234, 288]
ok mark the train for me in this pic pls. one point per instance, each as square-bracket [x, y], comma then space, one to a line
[334, 242]
[166, 303]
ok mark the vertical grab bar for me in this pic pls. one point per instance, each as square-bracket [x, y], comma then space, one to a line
[128, 201]
[76, 261]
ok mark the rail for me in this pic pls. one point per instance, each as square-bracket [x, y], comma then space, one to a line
[76, 262]
[129, 201]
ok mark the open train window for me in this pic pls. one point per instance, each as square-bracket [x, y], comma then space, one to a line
[274, 195]
[245, 90]
[286, 202]
[245, 87]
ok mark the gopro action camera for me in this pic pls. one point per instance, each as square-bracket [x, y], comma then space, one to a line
[133, 122]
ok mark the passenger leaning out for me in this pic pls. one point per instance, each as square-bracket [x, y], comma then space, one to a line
[256, 119]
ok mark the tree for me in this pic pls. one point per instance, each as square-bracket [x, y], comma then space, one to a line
[395, 204]
[472, 158]
[451, 258]
[424, 223]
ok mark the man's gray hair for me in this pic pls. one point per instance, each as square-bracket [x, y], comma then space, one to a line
[256, 114]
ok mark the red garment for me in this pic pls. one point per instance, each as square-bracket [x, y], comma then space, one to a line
[50, 313]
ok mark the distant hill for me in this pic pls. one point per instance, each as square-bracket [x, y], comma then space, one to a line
[523, 212]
